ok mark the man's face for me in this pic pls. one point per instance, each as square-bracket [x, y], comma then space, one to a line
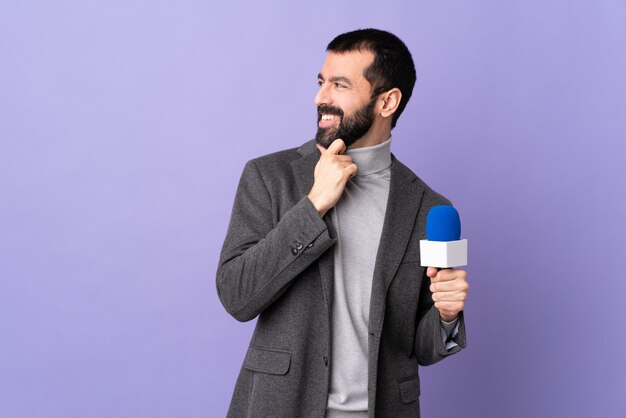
[345, 108]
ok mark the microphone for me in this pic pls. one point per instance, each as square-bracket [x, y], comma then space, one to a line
[443, 246]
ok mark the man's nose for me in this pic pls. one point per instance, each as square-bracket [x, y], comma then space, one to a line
[323, 96]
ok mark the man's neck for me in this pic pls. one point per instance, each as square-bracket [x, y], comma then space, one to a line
[376, 135]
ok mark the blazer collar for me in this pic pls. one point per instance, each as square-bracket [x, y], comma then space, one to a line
[303, 167]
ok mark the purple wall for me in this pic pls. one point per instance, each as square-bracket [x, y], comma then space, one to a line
[124, 127]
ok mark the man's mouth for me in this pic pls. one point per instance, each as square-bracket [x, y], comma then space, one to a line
[327, 121]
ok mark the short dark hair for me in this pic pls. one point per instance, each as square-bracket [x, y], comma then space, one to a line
[392, 67]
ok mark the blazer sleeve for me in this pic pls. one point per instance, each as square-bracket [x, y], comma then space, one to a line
[261, 256]
[429, 346]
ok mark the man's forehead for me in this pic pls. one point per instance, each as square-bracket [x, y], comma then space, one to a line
[347, 64]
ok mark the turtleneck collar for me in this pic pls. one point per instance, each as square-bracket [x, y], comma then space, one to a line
[372, 159]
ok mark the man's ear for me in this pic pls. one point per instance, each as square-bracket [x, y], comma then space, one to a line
[390, 102]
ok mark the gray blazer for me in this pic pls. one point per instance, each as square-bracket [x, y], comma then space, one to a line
[277, 264]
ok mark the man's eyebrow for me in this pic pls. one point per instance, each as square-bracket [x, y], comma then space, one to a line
[341, 79]
[338, 79]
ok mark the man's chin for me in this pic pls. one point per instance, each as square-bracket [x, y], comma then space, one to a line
[324, 138]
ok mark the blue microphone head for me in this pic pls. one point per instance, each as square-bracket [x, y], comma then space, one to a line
[443, 224]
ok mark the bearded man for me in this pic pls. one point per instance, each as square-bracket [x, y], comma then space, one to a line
[323, 247]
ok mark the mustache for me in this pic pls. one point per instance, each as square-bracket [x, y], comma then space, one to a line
[328, 110]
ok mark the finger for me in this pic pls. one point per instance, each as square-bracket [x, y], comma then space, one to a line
[352, 169]
[337, 147]
[321, 148]
[343, 158]
[456, 296]
[431, 272]
[445, 275]
[452, 308]
[449, 286]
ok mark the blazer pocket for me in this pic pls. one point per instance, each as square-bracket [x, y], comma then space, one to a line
[267, 360]
[409, 388]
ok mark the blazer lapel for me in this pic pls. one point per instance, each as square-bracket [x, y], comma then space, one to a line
[303, 167]
[405, 196]
[303, 172]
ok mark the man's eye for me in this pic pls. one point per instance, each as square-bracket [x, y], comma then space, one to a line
[339, 86]
[320, 82]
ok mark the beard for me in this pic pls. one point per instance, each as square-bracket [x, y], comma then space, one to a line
[350, 129]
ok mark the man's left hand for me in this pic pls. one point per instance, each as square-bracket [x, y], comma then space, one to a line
[449, 288]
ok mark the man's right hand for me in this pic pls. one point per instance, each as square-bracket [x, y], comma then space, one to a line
[331, 174]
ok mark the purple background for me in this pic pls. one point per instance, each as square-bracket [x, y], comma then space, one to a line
[124, 128]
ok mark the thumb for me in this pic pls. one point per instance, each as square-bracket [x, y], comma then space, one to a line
[432, 272]
[321, 148]
[337, 147]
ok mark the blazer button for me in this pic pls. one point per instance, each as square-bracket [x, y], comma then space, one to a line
[294, 251]
[325, 361]
[310, 245]
[298, 246]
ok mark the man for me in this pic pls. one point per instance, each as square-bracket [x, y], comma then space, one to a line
[323, 246]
